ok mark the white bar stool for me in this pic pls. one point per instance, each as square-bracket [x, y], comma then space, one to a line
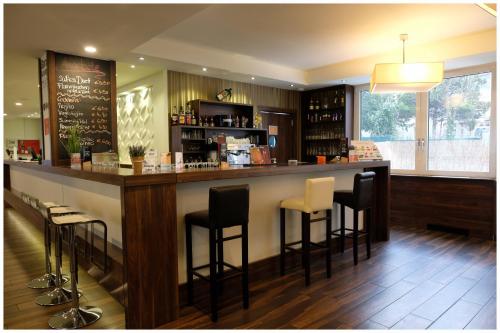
[318, 196]
[77, 316]
[48, 279]
[58, 295]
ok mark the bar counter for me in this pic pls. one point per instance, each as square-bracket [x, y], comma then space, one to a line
[145, 214]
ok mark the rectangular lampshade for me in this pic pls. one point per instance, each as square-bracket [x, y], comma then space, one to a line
[418, 77]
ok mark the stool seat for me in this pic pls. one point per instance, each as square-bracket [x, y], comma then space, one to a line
[73, 219]
[62, 210]
[295, 204]
[199, 218]
[344, 197]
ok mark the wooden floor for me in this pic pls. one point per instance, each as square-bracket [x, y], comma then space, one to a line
[418, 280]
[23, 261]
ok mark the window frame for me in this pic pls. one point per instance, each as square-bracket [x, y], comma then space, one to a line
[421, 128]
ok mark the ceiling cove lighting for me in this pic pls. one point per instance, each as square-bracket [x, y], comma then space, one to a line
[132, 66]
[403, 77]
[489, 7]
[90, 49]
[19, 104]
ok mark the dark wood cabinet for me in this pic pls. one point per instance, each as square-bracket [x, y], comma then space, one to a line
[326, 118]
[194, 141]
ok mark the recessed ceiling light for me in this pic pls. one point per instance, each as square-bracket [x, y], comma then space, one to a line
[204, 69]
[19, 104]
[343, 81]
[291, 85]
[5, 114]
[132, 66]
[90, 49]
[253, 78]
[141, 58]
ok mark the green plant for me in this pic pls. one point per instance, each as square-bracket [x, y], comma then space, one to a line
[72, 145]
[136, 151]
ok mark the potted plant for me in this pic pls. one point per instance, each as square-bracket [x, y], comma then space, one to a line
[72, 146]
[137, 156]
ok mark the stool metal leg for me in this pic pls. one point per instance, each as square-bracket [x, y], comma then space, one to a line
[306, 227]
[58, 295]
[355, 236]
[368, 236]
[220, 258]
[47, 280]
[77, 316]
[342, 228]
[328, 243]
[189, 263]
[244, 264]
[282, 241]
[213, 275]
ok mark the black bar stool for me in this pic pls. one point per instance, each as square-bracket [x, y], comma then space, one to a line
[361, 198]
[227, 207]
[318, 196]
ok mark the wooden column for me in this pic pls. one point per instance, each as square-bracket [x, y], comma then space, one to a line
[149, 226]
[381, 212]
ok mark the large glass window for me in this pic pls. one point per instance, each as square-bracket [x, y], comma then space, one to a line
[459, 124]
[447, 131]
[389, 120]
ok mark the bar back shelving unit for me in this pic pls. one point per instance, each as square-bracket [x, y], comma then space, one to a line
[327, 118]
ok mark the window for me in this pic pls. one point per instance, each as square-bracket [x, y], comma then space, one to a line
[389, 120]
[447, 131]
[459, 124]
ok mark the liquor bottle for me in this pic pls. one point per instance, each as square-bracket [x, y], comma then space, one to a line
[200, 121]
[311, 104]
[188, 114]
[335, 99]
[316, 107]
[193, 120]
[237, 122]
[342, 99]
[174, 116]
[182, 116]
[212, 124]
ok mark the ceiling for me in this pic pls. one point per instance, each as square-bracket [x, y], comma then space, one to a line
[279, 45]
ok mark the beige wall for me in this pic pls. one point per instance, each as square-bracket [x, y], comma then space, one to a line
[21, 128]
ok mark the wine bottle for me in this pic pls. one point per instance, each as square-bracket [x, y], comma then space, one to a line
[174, 116]
[182, 117]
[188, 114]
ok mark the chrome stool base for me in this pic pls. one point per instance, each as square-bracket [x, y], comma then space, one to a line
[56, 296]
[46, 281]
[75, 317]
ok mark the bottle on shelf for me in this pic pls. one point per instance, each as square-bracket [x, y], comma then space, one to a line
[311, 104]
[174, 116]
[316, 106]
[193, 119]
[335, 98]
[188, 114]
[342, 98]
[212, 124]
[182, 117]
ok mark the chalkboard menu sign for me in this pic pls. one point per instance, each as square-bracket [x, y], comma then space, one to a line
[83, 89]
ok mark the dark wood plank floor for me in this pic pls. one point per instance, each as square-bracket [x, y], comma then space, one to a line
[23, 261]
[418, 280]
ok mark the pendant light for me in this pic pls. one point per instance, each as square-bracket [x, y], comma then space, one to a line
[403, 77]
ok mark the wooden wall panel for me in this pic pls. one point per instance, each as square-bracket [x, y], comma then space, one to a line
[184, 87]
[461, 203]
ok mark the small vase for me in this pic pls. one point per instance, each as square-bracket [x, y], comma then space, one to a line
[76, 161]
[137, 164]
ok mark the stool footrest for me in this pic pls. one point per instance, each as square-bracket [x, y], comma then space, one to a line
[318, 219]
[229, 238]
[234, 272]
